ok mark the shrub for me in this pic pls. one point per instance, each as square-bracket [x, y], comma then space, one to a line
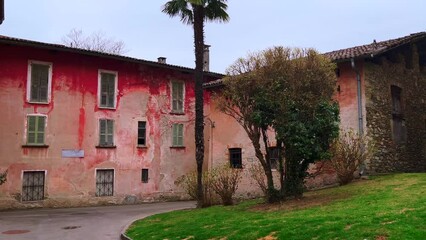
[189, 183]
[349, 151]
[3, 177]
[225, 182]
[258, 176]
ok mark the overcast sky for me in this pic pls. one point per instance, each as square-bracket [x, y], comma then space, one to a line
[254, 25]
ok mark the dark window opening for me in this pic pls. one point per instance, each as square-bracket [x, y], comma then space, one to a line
[399, 133]
[235, 157]
[144, 175]
[396, 100]
[33, 186]
[141, 133]
[274, 157]
[104, 182]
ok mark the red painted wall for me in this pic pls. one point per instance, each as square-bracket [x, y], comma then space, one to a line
[72, 123]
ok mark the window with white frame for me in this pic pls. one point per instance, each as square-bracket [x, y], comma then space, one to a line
[106, 132]
[36, 129]
[107, 89]
[33, 185]
[104, 182]
[177, 96]
[177, 135]
[39, 82]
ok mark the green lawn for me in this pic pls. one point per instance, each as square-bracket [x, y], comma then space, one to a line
[386, 207]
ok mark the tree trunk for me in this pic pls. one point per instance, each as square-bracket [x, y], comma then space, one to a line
[293, 184]
[199, 101]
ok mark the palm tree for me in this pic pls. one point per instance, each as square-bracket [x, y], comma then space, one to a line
[195, 12]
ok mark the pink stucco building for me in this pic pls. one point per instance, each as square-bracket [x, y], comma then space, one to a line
[81, 127]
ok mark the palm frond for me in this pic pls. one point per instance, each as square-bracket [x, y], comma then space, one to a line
[181, 8]
[215, 10]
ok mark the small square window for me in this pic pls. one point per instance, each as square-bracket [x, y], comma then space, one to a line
[144, 175]
[141, 133]
[35, 130]
[106, 133]
[177, 135]
[235, 158]
[177, 96]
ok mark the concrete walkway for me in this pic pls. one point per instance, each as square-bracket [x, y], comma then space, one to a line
[78, 223]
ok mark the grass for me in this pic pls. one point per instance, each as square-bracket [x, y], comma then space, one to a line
[385, 207]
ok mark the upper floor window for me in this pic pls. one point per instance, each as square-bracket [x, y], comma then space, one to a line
[177, 96]
[39, 82]
[107, 89]
[396, 93]
[106, 133]
[177, 135]
[235, 158]
[35, 129]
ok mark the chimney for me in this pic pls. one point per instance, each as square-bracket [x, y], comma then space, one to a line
[162, 60]
[206, 56]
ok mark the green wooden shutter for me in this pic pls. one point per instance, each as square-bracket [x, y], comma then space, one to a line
[177, 134]
[107, 90]
[102, 132]
[110, 132]
[180, 134]
[39, 83]
[35, 130]
[177, 96]
[31, 138]
[180, 97]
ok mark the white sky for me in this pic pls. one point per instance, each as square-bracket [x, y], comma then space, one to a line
[254, 25]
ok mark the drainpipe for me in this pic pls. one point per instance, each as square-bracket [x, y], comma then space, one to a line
[361, 168]
[359, 95]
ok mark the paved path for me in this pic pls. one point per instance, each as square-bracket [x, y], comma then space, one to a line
[78, 223]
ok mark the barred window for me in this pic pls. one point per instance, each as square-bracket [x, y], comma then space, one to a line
[104, 182]
[33, 185]
[235, 158]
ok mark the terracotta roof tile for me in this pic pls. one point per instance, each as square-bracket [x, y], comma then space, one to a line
[372, 49]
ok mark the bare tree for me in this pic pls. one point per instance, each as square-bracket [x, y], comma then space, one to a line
[97, 41]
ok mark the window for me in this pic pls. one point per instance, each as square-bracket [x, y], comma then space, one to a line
[274, 157]
[104, 182]
[106, 133]
[235, 158]
[39, 82]
[107, 89]
[177, 96]
[144, 175]
[141, 133]
[177, 134]
[398, 121]
[35, 129]
[33, 186]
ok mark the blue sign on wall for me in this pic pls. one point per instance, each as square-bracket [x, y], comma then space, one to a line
[71, 153]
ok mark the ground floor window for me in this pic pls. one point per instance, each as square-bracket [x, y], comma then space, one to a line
[104, 182]
[274, 157]
[33, 185]
[235, 158]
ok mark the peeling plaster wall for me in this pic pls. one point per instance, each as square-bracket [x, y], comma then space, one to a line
[400, 68]
[73, 122]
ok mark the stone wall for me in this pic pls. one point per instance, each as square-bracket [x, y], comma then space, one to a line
[401, 68]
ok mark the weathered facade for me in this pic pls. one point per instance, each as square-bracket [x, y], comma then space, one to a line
[81, 127]
[86, 128]
[393, 92]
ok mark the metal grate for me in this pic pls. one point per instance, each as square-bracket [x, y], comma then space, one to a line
[104, 182]
[33, 186]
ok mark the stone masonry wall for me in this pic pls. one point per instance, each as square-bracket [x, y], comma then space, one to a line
[401, 68]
